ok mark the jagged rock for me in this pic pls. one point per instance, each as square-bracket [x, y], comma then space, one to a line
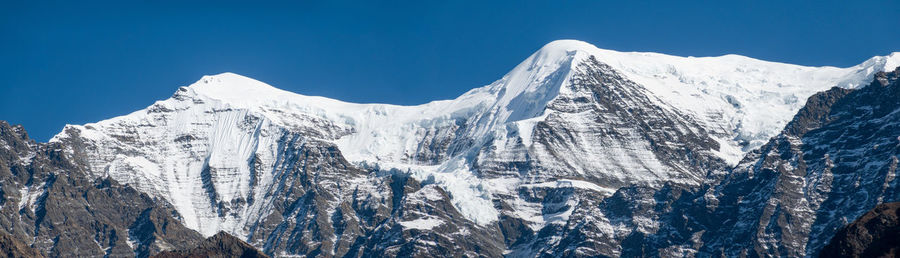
[220, 245]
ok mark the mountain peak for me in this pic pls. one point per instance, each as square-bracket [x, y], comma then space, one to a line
[884, 63]
[567, 45]
[238, 89]
[231, 82]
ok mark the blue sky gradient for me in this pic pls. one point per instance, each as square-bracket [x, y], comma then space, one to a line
[76, 62]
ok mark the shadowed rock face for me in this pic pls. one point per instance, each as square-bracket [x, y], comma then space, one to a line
[218, 245]
[12, 247]
[48, 204]
[875, 234]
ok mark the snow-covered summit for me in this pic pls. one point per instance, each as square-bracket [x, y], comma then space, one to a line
[234, 86]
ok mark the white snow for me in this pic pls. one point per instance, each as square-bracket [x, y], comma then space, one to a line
[29, 195]
[579, 184]
[743, 100]
[425, 223]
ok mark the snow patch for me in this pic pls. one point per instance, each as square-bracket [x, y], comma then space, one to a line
[579, 184]
[425, 223]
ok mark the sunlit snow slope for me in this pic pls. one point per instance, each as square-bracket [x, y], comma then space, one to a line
[215, 140]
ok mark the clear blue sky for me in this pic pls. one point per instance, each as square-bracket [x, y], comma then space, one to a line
[76, 63]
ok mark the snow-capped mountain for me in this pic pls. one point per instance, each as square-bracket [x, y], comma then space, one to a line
[551, 143]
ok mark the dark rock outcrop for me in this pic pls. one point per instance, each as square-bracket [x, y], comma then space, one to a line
[12, 247]
[875, 234]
